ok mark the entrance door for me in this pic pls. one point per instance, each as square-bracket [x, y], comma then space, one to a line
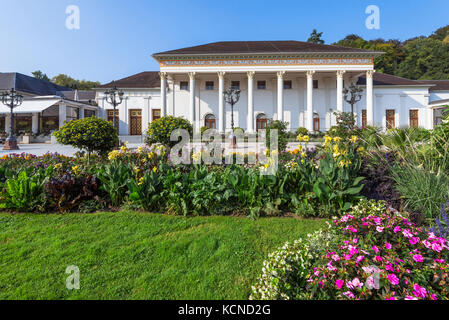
[135, 122]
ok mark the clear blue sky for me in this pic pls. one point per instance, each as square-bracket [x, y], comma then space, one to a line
[117, 37]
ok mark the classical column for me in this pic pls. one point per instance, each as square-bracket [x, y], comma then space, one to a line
[192, 99]
[340, 74]
[221, 106]
[81, 113]
[369, 98]
[280, 112]
[35, 123]
[309, 111]
[163, 76]
[250, 119]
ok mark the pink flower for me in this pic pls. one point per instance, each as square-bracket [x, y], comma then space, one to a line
[376, 250]
[418, 258]
[427, 244]
[389, 267]
[388, 246]
[410, 298]
[434, 297]
[420, 292]
[347, 256]
[359, 258]
[413, 240]
[396, 229]
[339, 284]
[390, 298]
[436, 247]
[378, 258]
[439, 260]
[349, 294]
[335, 257]
[353, 250]
[379, 229]
[407, 233]
[393, 279]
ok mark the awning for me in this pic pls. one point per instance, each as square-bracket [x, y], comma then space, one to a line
[30, 106]
[40, 104]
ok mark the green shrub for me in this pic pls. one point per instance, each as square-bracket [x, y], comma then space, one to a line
[286, 271]
[146, 192]
[91, 134]
[423, 190]
[281, 127]
[160, 130]
[25, 192]
[301, 131]
[115, 178]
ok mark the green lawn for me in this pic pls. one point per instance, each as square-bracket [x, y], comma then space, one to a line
[128, 255]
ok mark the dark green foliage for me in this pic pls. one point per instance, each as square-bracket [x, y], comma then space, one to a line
[160, 130]
[91, 134]
[281, 127]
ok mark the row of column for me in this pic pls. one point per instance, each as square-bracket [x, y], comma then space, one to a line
[280, 97]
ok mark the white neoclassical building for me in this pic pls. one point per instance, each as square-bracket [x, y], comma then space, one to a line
[294, 81]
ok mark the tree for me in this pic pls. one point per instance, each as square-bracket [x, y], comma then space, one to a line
[67, 81]
[315, 37]
[160, 130]
[91, 134]
[40, 75]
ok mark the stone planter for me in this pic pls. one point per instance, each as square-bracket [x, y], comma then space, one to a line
[26, 139]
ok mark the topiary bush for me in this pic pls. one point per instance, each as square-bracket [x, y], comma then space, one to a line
[159, 131]
[281, 127]
[301, 131]
[92, 134]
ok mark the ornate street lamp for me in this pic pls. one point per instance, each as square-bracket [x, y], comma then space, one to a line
[352, 95]
[11, 99]
[232, 96]
[114, 97]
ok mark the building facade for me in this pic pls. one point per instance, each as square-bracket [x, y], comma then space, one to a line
[297, 82]
[46, 106]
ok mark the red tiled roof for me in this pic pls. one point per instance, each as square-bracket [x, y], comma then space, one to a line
[252, 47]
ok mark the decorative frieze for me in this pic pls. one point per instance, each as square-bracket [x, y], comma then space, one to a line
[266, 62]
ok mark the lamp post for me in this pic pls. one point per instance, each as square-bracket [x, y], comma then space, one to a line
[232, 96]
[352, 95]
[11, 99]
[114, 97]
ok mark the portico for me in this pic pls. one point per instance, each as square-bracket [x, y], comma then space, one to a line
[301, 83]
[291, 81]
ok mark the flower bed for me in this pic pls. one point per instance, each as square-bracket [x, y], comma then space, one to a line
[375, 253]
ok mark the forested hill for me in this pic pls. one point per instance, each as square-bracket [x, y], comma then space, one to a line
[422, 58]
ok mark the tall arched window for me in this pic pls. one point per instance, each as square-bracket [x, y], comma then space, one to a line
[209, 121]
[261, 121]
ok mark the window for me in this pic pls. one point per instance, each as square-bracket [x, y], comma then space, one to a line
[184, 85]
[111, 115]
[261, 85]
[209, 85]
[315, 84]
[72, 113]
[287, 84]
[261, 121]
[414, 118]
[389, 114]
[316, 122]
[88, 113]
[364, 118]
[209, 121]
[156, 114]
[235, 85]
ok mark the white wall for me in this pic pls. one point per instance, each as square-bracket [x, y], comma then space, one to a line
[401, 99]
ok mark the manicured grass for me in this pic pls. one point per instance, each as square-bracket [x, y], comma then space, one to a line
[129, 255]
